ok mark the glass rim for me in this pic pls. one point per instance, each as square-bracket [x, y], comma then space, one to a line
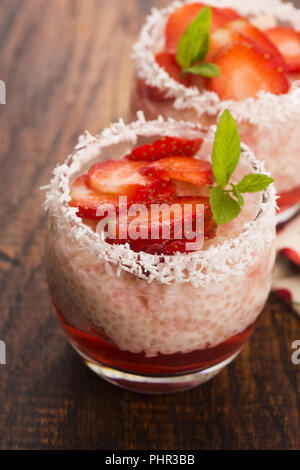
[160, 267]
[263, 110]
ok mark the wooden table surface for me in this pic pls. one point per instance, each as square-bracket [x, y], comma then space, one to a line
[67, 68]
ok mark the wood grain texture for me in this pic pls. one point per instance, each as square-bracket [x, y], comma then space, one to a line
[66, 65]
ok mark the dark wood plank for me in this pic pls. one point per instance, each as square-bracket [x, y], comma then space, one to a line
[67, 68]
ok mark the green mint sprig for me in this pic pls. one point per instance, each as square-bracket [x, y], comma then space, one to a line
[226, 198]
[194, 45]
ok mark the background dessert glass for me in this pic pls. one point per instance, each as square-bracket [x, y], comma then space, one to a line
[269, 124]
[150, 323]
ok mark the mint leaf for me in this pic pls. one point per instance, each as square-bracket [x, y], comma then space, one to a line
[226, 149]
[224, 207]
[238, 195]
[253, 183]
[194, 43]
[205, 69]
[226, 204]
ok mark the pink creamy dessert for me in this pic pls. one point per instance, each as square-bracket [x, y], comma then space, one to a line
[268, 123]
[173, 320]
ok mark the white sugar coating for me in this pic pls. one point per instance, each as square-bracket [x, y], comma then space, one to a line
[147, 303]
[269, 123]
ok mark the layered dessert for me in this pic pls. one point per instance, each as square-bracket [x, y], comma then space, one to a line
[147, 313]
[195, 59]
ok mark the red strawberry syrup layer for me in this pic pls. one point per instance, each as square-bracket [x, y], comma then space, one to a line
[97, 346]
[155, 309]
[256, 46]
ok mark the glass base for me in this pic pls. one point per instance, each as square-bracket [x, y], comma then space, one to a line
[154, 385]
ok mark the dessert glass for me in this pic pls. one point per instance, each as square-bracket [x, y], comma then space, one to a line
[149, 323]
[269, 124]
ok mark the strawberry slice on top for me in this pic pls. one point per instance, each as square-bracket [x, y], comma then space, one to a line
[222, 38]
[229, 13]
[88, 201]
[232, 32]
[123, 178]
[180, 168]
[117, 177]
[287, 41]
[150, 183]
[243, 27]
[244, 71]
[180, 19]
[165, 147]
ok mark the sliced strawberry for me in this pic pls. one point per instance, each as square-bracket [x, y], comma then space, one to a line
[230, 14]
[178, 22]
[157, 192]
[220, 39]
[287, 40]
[117, 177]
[210, 225]
[170, 227]
[219, 18]
[180, 19]
[182, 189]
[242, 26]
[244, 71]
[180, 168]
[123, 178]
[165, 147]
[168, 62]
[170, 248]
[88, 201]
[224, 37]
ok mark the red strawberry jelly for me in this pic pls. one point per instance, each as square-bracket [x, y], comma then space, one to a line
[97, 346]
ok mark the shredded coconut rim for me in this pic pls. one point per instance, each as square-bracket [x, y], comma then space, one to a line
[264, 110]
[200, 268]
